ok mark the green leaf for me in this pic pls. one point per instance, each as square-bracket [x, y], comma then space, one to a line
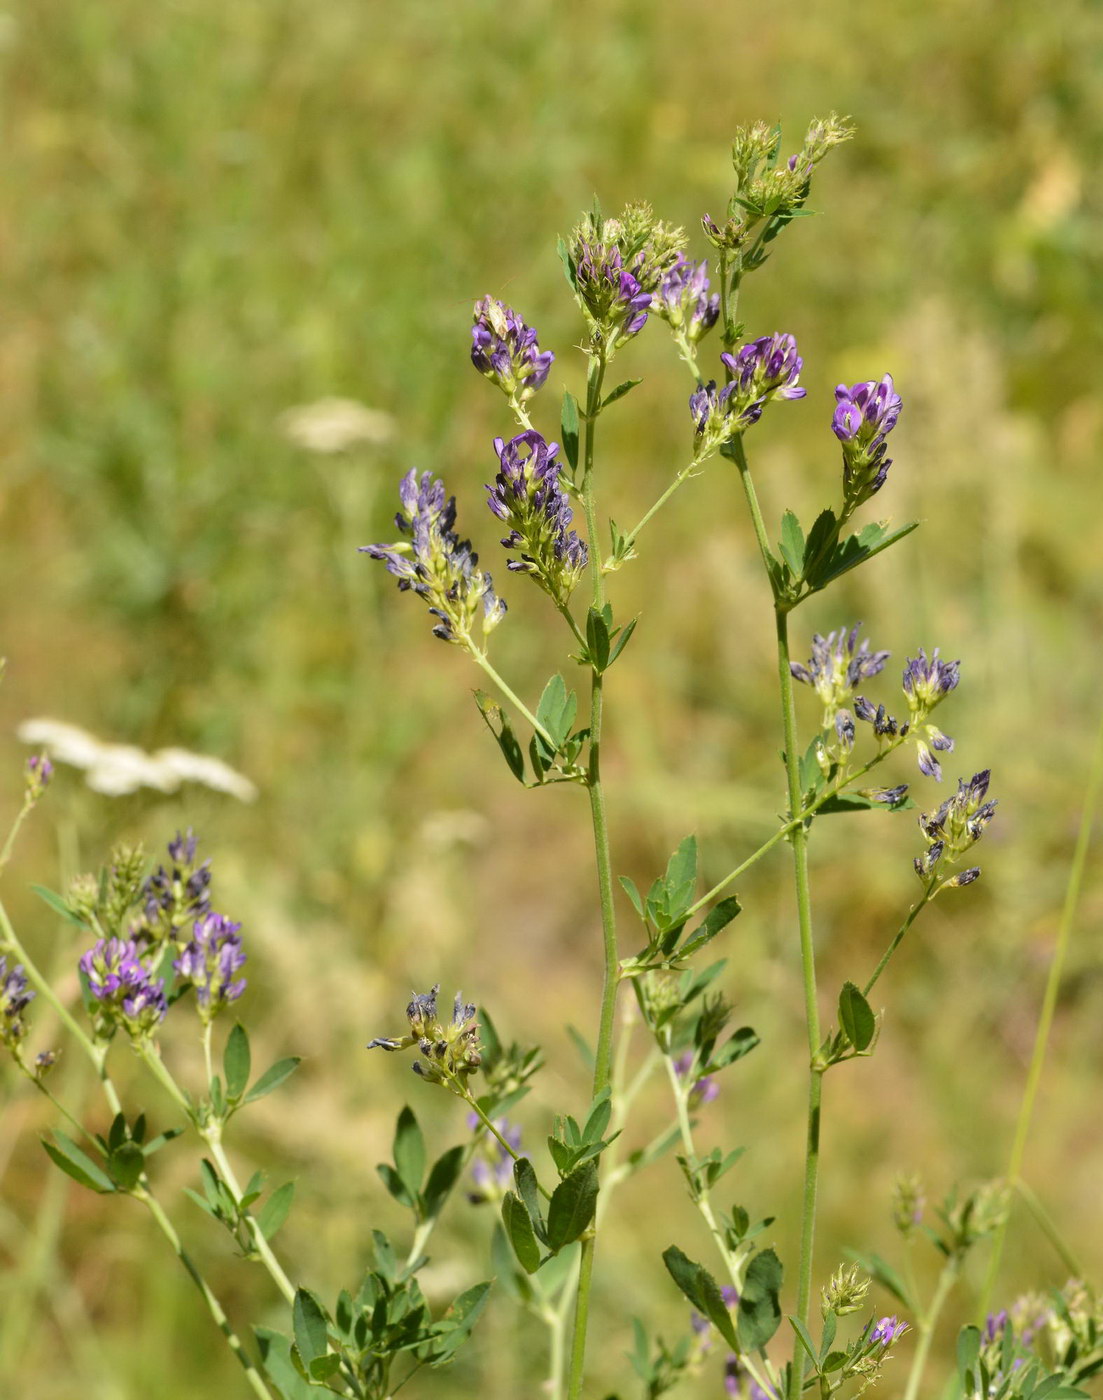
[968, 1354]
[126, 1164]
[409, 1151]
[792, 543]
[442, 1178]
[856, 1017]
[582, 1045]
[275, 1209]
[716, 920]
[273, 1078]
[856, 549]
[620, 391]
[759, 1309]
[600, 1114]
[568, 267]
[819, 537]
[568, 428]
[236, 1062]
[855, 802]
[622, 640]
[572, 1206]
[556, 710]
[703, 1292]
[886, 1276]
[741, 1043]
[310, 1326]
[498, 723]
[65, 1154]
[322, 1367]
[628, 885]
[519, 1232]
[155, 1144]
[58, 905]
[805, 1339]
[597, 639]
[524, 1175]
[275, 1355]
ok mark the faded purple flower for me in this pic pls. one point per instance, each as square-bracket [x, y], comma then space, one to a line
[612, 294]
[955, 827]
[526, 495]
[144, 1007]
[39, 772]
[210, 962]
[176, 894]
[864, 416]
[837, 667]
[492, 1171]
[15, 996]
[505, 350]
[684, 300]
[436, 564]
[705, 1089]
[927, 681]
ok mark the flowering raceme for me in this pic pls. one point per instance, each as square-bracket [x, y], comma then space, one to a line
[684, 300]
[526, 495]
[864, 416]
[15, 996]
[761, 370]
[209, 963]
[123, 986]
[437, 565]
[505, 350]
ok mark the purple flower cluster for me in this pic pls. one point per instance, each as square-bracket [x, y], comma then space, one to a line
[838, 665]
[610, 292]
[177, 894]
[887, 1331]
[436, 564]
[119, 980]
[684, 300]
[505, 350]
[956, 826]
[864, 416]
[928, 680]
[39, 772]
[526, 495]
[209, 963]
[15, 996]
[761, 370]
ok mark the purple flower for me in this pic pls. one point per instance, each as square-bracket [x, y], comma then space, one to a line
[122, 985]
[209, 963]
[956, 826]
[15, 996]
[492, 1172]
[927, 679]
[177, 894]
[994, 1325]
[526, 494]
[39, 772]
[610, 292]
[704, 1090]
[887, 1331]
[838, 666]
[684, 299]
[864, 416]
[505, 350]
[436, 564]
[761, 370]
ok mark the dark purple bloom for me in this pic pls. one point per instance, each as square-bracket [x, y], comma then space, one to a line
[175, 895]
[505, 350]
[955, 827]
[436, 564]
[144, 1006]
[611, 292]
[15, 996]
[928, 678]
[765, 368]
[209, 963]
[684, 299]
[889, 796]
[526, 495]
[994, 1325]
[704, 1090]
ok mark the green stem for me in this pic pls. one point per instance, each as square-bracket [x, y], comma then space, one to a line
[1044, 1221]
[214, 1307]
[21, 817]
[505, 1145]
[926, 1326]
[913, 914]
[630, 539]
[212, 1137]
[516, 701]
[599, 821]
[1049, 1003]
[740, 457]
[799, 839]
[681, 1090]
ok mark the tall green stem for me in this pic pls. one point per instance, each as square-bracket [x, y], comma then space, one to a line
[214, 1307]
[1049, 1003]
[611, 978]
[926, 1328]
[799, 840]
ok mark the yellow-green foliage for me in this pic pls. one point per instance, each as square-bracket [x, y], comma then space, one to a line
[215, 212]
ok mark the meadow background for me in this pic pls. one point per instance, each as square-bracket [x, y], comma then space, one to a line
[212, 213]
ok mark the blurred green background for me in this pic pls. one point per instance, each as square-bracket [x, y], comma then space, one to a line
[213, 213]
